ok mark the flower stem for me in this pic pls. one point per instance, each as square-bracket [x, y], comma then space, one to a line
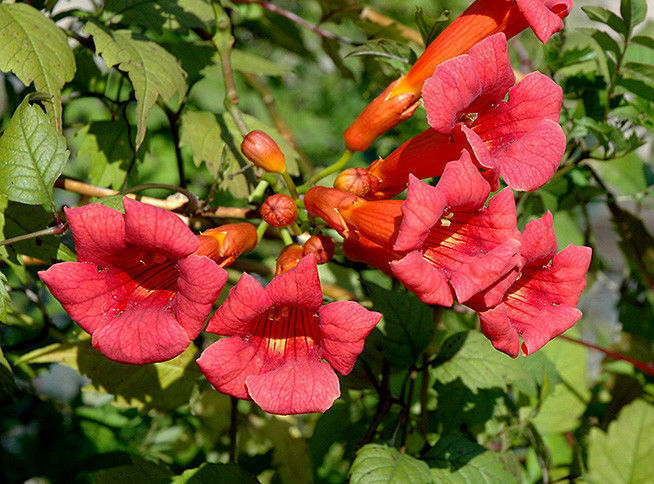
[291, 186]
[333, 168]
[58, 229]
[286, 236]
[261, 230]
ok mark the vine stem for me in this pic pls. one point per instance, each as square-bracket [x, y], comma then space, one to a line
[333, 168]
[641, 365]
[233, 429]
[58, 229]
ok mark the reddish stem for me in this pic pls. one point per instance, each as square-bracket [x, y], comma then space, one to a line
[641, 365]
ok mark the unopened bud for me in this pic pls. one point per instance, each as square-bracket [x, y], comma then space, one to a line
[289, 258]
[321, 246]
[226, 243]
[262, 150]
[357, 181]
[279, 210]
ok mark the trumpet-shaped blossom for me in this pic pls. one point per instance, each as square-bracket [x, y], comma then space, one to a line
[518, 139]
[440, 243]
[481, 20]
[278, 339]
[144, 284]
[538, 299]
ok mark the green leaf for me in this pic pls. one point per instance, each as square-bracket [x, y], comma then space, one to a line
[624, 454]
[643, 40]
[138, 470]
[390, 51]
[223, 473]
[457, 460]
[243, 61]
[23, 219]
[380, 463]
[162, 386]
[430, 27]
[32, 156]
[290, 452]
[200, 131]
[7, 383]
[599, 14]
[639, 68]
[162, 14]
[606, 43]
[470, 357]
[36, 50]
[153, 71]
[105, 149]
[408, 324]
[4, 298]
[627, 174]
[633, 12]
[638, 87]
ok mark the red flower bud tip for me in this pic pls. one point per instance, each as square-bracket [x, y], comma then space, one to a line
[226, 243]
[321, 246]
[289, 258]
[327, 203]
[279, 210]
[357, 181]
[262, 150]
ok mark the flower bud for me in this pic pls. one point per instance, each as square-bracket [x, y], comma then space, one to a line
[321, 246]
[357, 181]
[279, 210]
[262, 150]
[289, 258]
[226, 243]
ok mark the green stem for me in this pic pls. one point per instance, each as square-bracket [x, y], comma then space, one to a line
[261, 229]
[58, 229]
[333, 168]
[286, 236]
[291, 186]
[258, 192]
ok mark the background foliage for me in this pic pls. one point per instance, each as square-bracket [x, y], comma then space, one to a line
[121, 93]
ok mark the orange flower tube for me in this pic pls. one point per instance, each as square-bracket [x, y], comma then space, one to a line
[482, 19]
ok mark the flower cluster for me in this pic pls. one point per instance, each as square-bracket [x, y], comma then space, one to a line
[144, 284]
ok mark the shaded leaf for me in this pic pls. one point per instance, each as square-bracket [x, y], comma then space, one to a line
[243, 61]
[625, 453]
[430, 27]
[138, 470]
[645, 70]
[643, 40]
[471, 357]
[457, 460]
[36, 50]
[23, 219]
[4, 299]
[290, 453]
[599, 14]
[162, 14]
[223, 473]
[380, 463]
[633, 12]
[164, 386]
[638, 87]
[200, 131]
[32, 156]
[153, 71]
[407, 324]
[7, 383]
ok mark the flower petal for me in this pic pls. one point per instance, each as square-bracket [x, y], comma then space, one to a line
[157, 229]
[198, 286]
[423, 279]
[99, 233]
[541, 19]
[83, 291]
[299, 287]
[453, 87]
[302, 386]
[343, 328]
[244, 304]
[539, 241]
[496, 327]
[145, 333]
[228, 362]
[491, 60]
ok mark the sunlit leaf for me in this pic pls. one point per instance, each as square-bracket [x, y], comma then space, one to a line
[457, 460]
[470, 357]
[200, 131]
[607, 17]
[163, 385]
[36, 50]
[32, 156]
[625, 453]
[380, 463]
[153, 71]
[633, 11]
[251, 63]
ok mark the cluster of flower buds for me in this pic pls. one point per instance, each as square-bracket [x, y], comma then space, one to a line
[145, 284]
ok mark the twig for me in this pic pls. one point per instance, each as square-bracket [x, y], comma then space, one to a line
[233, 429]
[58, 229]
[271, 7]
[384, 405]
[641, 365]
[173, 119]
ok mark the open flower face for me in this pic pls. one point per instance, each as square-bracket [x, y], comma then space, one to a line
[518, 139]
[283, 344]
[538, 301]
[137, 287]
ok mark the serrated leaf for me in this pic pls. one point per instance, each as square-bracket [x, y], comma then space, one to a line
[223, 473]
[243, 61]
[163, 386]
[36, 50]
[105, 149]
[162, 14]
[380, 463]
[470, 357]
[200, 131]
[153, 71]
[457, 460]
[408, 324]
[599, 14]
[32, 156]
[624, 454]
